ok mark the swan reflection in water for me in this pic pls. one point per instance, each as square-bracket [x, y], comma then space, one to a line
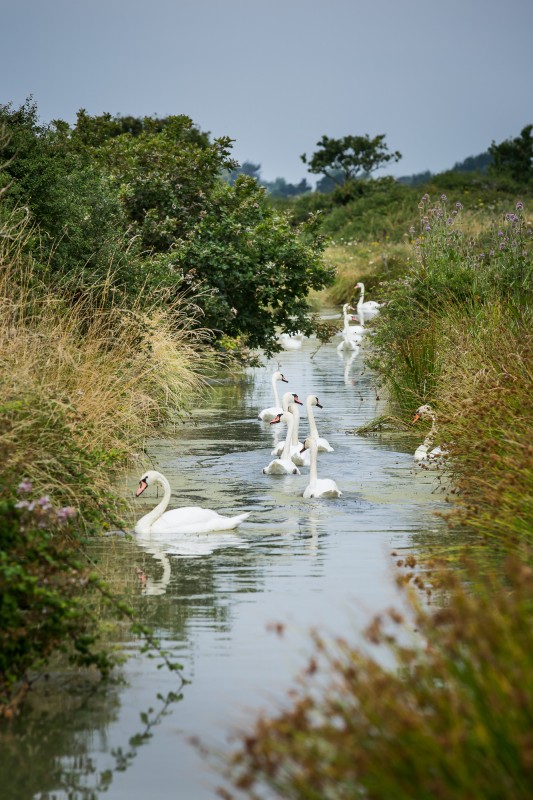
[185, 545]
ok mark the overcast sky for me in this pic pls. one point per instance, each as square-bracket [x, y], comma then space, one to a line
[441, 80]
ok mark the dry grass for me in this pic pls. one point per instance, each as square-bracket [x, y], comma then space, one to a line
[82, 379]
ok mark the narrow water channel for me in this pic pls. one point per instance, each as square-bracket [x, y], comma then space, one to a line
[213, 600]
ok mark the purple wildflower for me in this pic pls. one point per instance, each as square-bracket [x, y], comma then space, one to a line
[65, 513]
[519, 206]
[444, 198]
[24, 486]
[428, 227]
[458, 206]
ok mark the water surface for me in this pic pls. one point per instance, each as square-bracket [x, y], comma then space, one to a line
[213, 600]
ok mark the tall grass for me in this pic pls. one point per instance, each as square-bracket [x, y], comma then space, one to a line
[455, 715]
[453, 720]
[84, 379]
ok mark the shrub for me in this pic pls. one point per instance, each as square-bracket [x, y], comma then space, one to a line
[452, 720]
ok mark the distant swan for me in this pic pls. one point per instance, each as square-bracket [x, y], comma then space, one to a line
[268, 414]
[370, 308]
[291, 341]
[283, 465]
[190, 519]
[350, 338]
[318, 487]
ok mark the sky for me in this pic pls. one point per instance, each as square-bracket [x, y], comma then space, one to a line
[442, 80]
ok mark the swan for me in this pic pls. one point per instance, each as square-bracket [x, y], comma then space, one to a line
[291, 341]
[350, 338]
[422, 452]
[190, 519]
[318, 487]
[322, 444]
[268, 414]
[290, 402]
[359, 329]
[370, 308]
[283, 465]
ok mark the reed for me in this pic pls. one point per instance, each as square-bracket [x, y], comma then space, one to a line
[84, 379]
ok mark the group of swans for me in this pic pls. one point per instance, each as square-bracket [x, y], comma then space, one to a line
[197, 520]
[291, 453]
[352, 335]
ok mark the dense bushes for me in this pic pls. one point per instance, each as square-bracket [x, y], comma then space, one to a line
[144, 201]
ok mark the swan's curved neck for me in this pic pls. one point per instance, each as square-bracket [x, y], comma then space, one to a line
[311, 417]
[295, 411]
[276, 395]
[286, 454]
[146, 522]
[313, 470]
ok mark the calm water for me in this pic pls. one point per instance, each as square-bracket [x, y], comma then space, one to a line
[213, 600]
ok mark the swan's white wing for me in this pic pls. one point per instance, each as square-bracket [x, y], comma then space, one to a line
[194, 519]
[269, 413]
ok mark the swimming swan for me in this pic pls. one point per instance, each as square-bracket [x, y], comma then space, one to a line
[423, 453]
[283, 465]
[190, 519]
[360, 329]
[268, 414]
[350, 338]
[370, 308]
[290, 402]
[318, 487]
[322, 444]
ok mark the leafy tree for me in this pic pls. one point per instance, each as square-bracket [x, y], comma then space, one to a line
[280, 188]
[350, 157]
[246, 168]
[514, 157]
[258, 265]
[79, 214]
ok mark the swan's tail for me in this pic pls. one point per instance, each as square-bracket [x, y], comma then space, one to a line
[235, 521]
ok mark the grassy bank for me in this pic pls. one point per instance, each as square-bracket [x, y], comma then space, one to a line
[83, 381]
[455, 718]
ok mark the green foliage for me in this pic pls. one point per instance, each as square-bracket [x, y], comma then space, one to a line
[43, 593]
[351, 156]
[450, 271]
[79, 216]
[514, 157]
[259, 267]
[452, 720]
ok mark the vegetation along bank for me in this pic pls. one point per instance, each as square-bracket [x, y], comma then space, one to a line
[130, 268]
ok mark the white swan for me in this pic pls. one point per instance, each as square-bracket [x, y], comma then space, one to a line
[422, 452]
[268, 414]
[350, 338]
[370, 308]
[290, 402]
[283, 465]
[318, 487]
[360, 329]
[322, 444]
[190, 519]
[291, 341]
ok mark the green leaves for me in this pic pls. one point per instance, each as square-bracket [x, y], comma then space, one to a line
[349, 157]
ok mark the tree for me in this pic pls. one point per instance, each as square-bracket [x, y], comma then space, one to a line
[514, 157]
[349, 158]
